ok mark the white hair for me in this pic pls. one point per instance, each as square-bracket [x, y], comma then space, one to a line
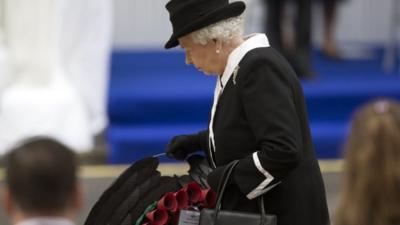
[224, 30]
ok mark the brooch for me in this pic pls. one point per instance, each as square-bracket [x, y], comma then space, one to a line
[235, 72]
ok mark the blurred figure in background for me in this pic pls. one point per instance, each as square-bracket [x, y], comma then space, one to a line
[371, 186]
[299, 52]
[57, 59]
[4, 64]
[41, 184]
[329, 46]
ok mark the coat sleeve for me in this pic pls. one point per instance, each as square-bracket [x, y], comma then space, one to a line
[266, 93]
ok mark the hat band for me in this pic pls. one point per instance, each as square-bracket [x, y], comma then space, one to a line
[192, 12]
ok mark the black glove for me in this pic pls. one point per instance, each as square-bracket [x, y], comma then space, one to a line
[199, 169]
[183, 145]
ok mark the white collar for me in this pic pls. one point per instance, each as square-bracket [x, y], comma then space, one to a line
[46, 221]
[251, 42]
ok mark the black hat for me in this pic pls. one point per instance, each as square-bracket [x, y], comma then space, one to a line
[187, 16]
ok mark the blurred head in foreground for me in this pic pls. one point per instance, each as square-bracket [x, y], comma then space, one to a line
[371, 184]
[41, 182]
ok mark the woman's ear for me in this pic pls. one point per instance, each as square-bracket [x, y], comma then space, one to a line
[7, 201]
[218, 46]
[77, 198]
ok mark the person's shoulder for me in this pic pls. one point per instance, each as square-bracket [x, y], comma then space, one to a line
[265, 57]
[46, 221]
[261, 52]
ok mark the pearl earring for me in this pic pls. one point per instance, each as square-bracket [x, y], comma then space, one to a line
[218, 51]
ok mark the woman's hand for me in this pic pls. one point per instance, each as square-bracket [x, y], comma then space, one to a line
[182, 145]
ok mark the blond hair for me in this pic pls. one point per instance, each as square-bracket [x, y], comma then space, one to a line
[371, 182]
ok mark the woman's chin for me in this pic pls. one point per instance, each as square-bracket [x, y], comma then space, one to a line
[208, 73]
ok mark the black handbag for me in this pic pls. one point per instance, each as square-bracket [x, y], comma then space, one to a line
[224, 217]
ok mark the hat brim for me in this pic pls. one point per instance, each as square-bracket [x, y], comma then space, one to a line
[231, 10]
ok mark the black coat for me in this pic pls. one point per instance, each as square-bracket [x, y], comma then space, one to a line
[262, 109]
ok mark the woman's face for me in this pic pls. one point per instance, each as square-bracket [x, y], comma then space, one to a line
[203, 57]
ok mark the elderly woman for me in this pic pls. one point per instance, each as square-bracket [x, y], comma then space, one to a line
[258, 116]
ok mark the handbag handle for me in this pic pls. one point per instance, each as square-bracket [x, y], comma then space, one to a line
[221, 189]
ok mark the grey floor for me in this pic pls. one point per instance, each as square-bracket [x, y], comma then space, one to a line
[95, 185]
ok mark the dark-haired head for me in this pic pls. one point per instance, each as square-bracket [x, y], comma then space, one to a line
[41, 178]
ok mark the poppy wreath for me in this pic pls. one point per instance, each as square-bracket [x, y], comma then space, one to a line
[166, 210]
[141, 195]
